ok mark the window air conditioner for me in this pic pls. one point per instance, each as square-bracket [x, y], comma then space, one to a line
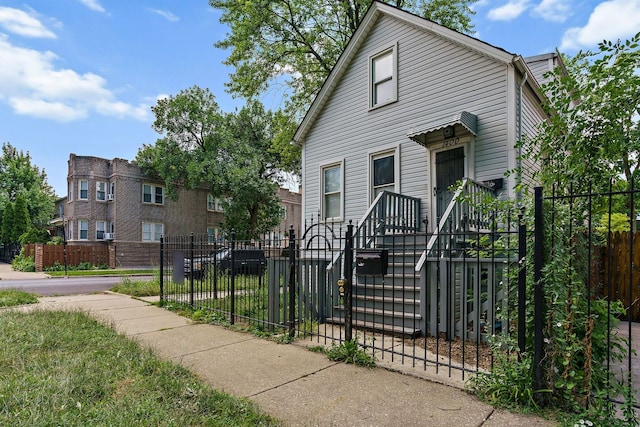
[108, 236]
[109, 196]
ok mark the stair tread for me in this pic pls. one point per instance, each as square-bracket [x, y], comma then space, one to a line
[408, 301]
[379, 312]
[376, 326]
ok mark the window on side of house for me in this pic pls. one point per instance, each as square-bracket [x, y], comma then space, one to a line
[69, 191]
[383, 173]
[383, 87]
[70, 230]
[83, 232]
[151, 231]
[83, 189]
[153, 194]
[214, 204]
[100, 229]
[101, 191]
[332, 191]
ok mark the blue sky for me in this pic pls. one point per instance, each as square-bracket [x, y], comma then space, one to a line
[80, 76]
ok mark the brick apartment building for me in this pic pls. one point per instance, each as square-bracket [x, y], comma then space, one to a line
[111, 202]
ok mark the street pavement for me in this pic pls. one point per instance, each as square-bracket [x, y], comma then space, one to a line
[289, 382]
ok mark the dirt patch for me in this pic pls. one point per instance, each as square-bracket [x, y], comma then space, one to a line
[456, 350]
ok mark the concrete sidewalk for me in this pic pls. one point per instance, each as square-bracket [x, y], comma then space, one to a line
[289, 382]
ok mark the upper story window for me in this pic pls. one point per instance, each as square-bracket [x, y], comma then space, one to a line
[83, 189]
[332, 191]
[383, 86]
[70, 191]
[153, 194]
[151, 232]
[101, 191]
[214, 204]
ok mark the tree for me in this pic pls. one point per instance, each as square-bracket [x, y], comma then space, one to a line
[21, 219]
[593, 135]
[6, 233]
[19, 177]
[230, 154]
[296, 43]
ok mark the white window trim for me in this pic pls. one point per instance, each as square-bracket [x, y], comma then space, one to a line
[153, 194]
[104, 229]
[80, 221]
[153, 231]
[340, 164]
[395, 151]
[80, 189]
[104, 190]
[393, 49]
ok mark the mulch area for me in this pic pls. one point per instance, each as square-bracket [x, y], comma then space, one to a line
[455, 350]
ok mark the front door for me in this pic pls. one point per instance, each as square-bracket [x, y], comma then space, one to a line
[449, 170]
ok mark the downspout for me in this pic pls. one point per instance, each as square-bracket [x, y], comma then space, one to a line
[519, 168]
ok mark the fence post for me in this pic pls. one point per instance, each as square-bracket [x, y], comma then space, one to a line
[348, 276]
[161, 270]
[233, 278]
[538, 296]
[522, 281]
[191, 253]
[292, 282]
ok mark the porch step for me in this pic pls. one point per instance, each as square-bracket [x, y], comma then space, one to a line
[395, 330]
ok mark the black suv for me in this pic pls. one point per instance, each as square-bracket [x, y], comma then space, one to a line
[246, 260]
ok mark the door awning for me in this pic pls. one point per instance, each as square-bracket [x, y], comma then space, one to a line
[464, 118]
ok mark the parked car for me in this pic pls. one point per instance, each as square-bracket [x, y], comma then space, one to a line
[246, 261]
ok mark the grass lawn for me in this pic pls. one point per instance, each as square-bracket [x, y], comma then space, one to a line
[64, 368]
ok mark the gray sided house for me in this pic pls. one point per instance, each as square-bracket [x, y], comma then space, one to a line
[412, 107]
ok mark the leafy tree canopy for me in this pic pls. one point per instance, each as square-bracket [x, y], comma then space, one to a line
[230, 154]
[292, 45]
[18, 177]
[593, 135]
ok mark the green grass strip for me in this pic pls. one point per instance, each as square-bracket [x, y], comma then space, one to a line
[64, 368]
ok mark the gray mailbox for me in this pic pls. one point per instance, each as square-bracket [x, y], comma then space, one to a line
[372, 262]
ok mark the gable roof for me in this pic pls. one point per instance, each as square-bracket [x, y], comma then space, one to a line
[376, 10]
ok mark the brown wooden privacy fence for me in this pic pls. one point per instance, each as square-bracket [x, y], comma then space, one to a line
[619, 274]
[47, 255]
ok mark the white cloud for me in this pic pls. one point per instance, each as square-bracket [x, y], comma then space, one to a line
[19, 22]
[553, 10]
[166, 14]
[31, 84]
[610, 20]
[57, 111]
[93, 5]
[509, 11]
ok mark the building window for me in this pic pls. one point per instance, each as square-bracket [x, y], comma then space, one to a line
[383, 87]
[332, 192]
[284, 211]
[101, 191]
[70, 230]
[214, 204]
[100, 229]
[84, 229]
[151, 232]
[83, 190]
[153, 194]
[70, 191]
[383, 173]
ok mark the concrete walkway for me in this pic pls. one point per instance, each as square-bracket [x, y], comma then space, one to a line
[289, 382]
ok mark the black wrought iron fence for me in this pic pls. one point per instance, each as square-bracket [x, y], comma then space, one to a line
[431, 314]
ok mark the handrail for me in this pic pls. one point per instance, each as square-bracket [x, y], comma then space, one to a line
[388, 212]
[459, 215]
